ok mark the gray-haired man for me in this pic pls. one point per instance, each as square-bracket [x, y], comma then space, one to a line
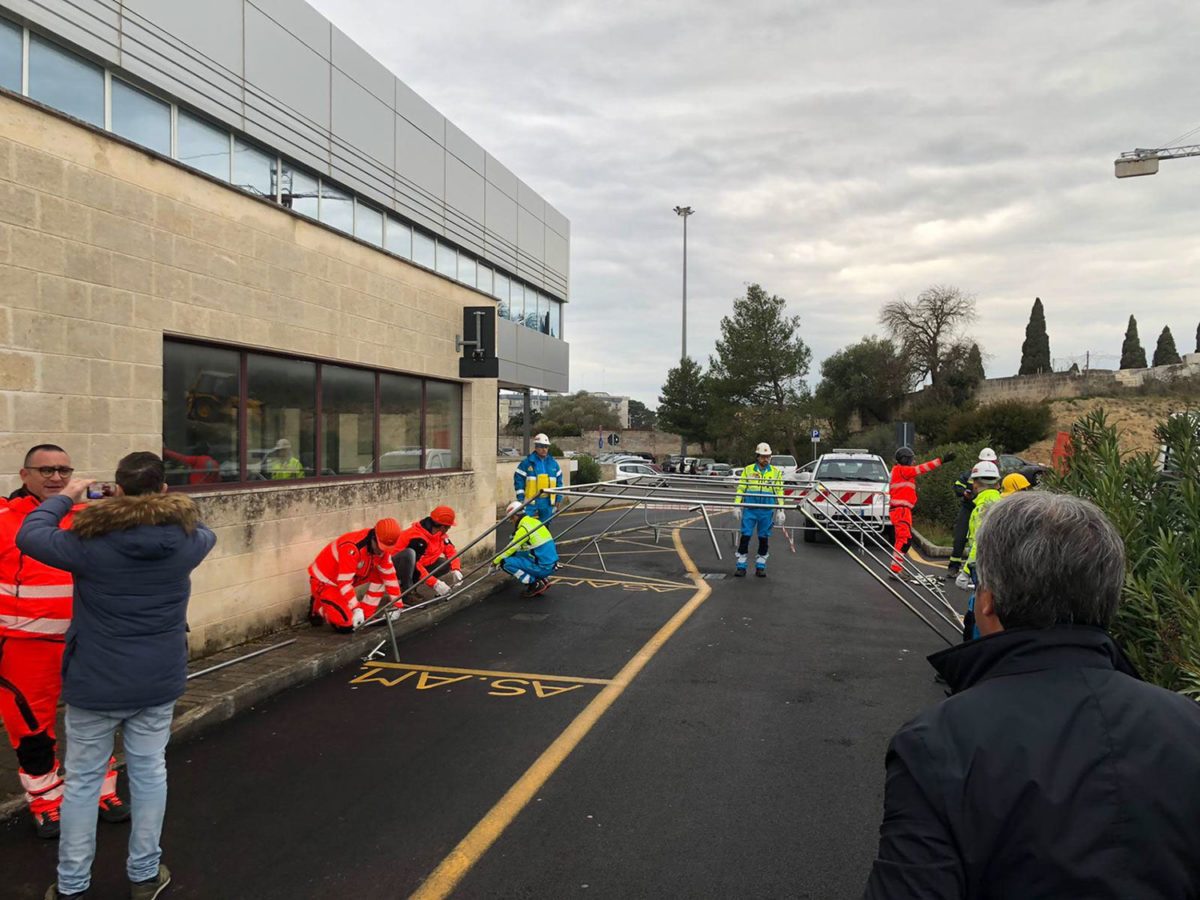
[1053, 771]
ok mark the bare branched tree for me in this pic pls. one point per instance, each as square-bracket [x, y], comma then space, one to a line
[928, 328]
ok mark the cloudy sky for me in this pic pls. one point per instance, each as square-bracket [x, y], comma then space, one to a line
[839, 154]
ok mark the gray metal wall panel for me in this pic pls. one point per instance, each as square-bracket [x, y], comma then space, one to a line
[458, 143]
[501, 177]
[557, 221]
[418, 112]
[557, 253]
[465, 191]
[531, 200]
[364, 68]
[361, 122]
[286, 68]
[419, 159]
[506, 339]
[501, 213]
[212, 29]
[300, 20]
[149, 53]
[92, 24]
[531, 234]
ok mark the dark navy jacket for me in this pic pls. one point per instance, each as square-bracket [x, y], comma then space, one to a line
[132, 559]
[1052, 772]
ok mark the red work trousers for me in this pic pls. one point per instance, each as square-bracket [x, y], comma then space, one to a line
[902, 524]
[331, 606]
[31, 673]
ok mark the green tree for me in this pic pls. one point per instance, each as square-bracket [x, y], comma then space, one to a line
[1035, 351]
[1198, 338]
[928, 329]
[868, 378]
[684, 401]
[1132, 354]
[641, 418]
[577, 413]
[761, 361]
[1165, 353]
[516, 423]
[962, 371]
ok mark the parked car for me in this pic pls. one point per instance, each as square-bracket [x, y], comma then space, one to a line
[786, 462]
[508, 451]
[688, 465]
[671, 463]
[628, 470]
[858, 479]
[698, 464]
[720, 469]
[1010, 462]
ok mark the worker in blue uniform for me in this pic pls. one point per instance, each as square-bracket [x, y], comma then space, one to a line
[536, 472]
[760, 483]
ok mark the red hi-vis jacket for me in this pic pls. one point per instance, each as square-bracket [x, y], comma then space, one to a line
[35, 599]
[346, 562]
[903, 490]
[436, 546]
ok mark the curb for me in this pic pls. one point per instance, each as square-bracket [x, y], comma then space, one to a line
[929, 548]
[218, 698]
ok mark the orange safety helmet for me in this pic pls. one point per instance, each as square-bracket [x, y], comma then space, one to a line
[443, 515]
[387, 534]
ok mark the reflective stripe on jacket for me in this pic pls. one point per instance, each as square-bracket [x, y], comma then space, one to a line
[903, 489]
[532, 536]
[534, 475]
[982, 499]
[757, 485]
[346, 562]
[35, 599]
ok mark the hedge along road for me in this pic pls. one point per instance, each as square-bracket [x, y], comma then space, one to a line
[638, 733]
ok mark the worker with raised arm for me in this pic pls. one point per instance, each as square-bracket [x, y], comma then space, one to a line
[357, 557]
[531, 555]
[902, 496]
[759, 483]
[536, 472]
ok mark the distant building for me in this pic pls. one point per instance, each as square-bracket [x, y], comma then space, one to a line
[619, 405]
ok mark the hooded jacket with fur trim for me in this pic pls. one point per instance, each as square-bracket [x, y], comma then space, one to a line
[132, 559]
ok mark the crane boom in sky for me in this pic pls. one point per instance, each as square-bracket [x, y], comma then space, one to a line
[1145, 161]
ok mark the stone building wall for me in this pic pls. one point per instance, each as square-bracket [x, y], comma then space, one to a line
[105, 249]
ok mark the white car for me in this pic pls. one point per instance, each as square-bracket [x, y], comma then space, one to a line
[785, 462]
[846, 489]
[628, 469]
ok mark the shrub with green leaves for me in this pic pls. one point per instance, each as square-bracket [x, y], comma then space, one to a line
[588, 471]
[1010, 425]
[1158, 516]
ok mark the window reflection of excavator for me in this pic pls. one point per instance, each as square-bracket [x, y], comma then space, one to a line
[213, 397]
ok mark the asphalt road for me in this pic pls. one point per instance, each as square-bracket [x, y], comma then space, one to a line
[739, 754]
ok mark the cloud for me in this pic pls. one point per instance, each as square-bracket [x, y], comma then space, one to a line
[839, 154]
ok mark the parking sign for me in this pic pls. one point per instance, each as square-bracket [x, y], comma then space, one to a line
[816, 435]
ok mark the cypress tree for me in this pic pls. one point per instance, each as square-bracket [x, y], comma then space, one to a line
[1132, 354]
[1035, 352]
[1165, 353]
[1198, 338]
[974, 366]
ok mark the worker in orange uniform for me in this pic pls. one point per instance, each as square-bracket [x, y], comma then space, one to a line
[421, 545]
[357, 557]
[35, 612]
[903, 497]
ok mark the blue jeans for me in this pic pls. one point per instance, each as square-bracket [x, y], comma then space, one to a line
[89, 746]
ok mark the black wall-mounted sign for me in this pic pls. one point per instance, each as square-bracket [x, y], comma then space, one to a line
[478, 343]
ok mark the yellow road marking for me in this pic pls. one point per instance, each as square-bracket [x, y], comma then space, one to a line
[471, 848]
[643, 579]
[488, 672]
[913, 554]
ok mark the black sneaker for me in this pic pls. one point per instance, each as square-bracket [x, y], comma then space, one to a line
[46, 824]
[148, 890]
[52, 893]
[537, 588]
[114, 809]
[760, 572]
[739, 572]
[314, 617]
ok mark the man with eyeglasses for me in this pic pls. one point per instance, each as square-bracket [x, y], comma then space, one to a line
[35, 611]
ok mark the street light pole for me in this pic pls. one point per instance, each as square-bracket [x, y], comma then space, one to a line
[683, 212]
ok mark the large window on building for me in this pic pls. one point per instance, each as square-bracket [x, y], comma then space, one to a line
[347, 420]
[11, 39]
[254, 169]
[65, 81]
[141, 118]
[201, 396]
[280, 415]
[300, 191]
[424, 249]
[369, 421]
[398, 238]
[202, 145]
[337, 208]
[368, 224]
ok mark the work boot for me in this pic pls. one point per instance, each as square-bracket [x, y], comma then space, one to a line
[148, 890]
[538, 587]
[760, 567]
[314, 618]
[46, 823]
[739, 569]
[114, 809]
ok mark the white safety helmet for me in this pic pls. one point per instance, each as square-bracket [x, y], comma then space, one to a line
[985, 471]
[763, 449]
[513, 508]
[987, 454]
[540, 440]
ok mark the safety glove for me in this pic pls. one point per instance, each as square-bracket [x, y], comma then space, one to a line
[950, 457]
[441, 588]
[456, 576]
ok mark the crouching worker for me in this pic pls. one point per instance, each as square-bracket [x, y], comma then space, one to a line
[422, 544]
[357, 557]
[531, 555]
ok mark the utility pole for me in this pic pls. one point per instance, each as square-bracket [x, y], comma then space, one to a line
[683, 212]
